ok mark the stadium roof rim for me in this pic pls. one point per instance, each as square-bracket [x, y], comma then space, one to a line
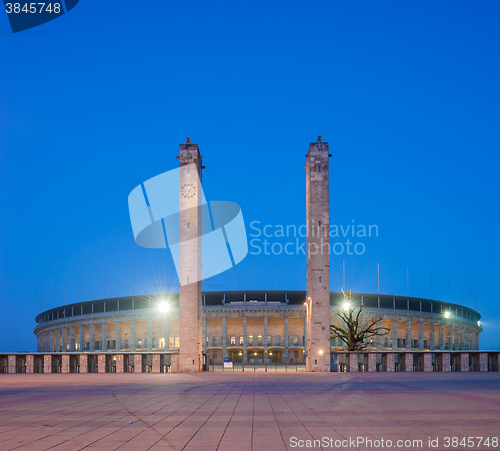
[292, 296]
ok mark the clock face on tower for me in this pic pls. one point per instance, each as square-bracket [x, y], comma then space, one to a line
[188, 190]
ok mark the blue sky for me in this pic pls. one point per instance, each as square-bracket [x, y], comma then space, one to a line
[97, 101]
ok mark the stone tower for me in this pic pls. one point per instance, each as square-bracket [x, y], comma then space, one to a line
[318, 258]
[190, 232]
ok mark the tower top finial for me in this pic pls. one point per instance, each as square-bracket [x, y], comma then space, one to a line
[320, 138]
[188, 140]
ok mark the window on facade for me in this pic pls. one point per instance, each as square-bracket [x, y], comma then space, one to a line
[319, 279]
[278, 340]
[269, 340]
[233, 340]
[214, 341]
[296, 340]
[250, 340]
[241, 341]
[319, 168]
[259, 340]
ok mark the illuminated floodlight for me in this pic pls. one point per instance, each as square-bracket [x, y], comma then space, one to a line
[446, 314]
[321, 352]
[163, 307]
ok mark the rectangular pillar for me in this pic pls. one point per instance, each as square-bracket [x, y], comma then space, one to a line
[63, 340]
[432, 338]
[71, 338]
[394, 335]
[421, 335]
[318, 258]
[426, 362]
[483, 361]
[101, 363]
[156, 363]
[138, 363]
[92, 338]
[104, 341]
[30, 363]
[287, 340]
[65, 363]
[12, 364]
[81, 338]
[463, 362]
[388, 362]
[408, 336]
[265, 340]
[245, 340]
[190, 258]
[352, 362]
[132, 335]
[118, 340]
[84, 364]
[120, 363]
[370, 362]
[224, 337]
[408, 361]
[148, 335]
[441, 337]
[174, 363]
[47, 364]
[443, 361]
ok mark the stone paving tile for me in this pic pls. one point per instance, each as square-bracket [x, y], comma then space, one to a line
[240, 411]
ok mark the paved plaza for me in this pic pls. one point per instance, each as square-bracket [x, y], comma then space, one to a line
[247, 411]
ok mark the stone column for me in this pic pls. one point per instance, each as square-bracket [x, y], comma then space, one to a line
[427, 362]
[91, 338]
[408, 361]
[408, 335]
[483, 361]
[52, 341]
[81, 338]
[463, 361]
[148, 335]
[388, 362]
[245, 340]
[370, 362]
[84, 364]
[441, 337]
[167, 338]
[65, 364]
[120, 363]
[138, 363]
[287, 344]
[63, 340]
[47, 364]
[421, 335]
[118, 339]
[432, 339]
[394, 334]
[71, 338]
[224, 337]
[380, 337]
[352, 362]
[101, 363]
[204, 335]
[104, 345]
[449, 336]
[444, 362]
[156, 363]
[132, 335]
[12, 364]
[265, 339]
[30, 363]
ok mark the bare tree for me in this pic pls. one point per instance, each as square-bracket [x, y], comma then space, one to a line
[352, 333]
